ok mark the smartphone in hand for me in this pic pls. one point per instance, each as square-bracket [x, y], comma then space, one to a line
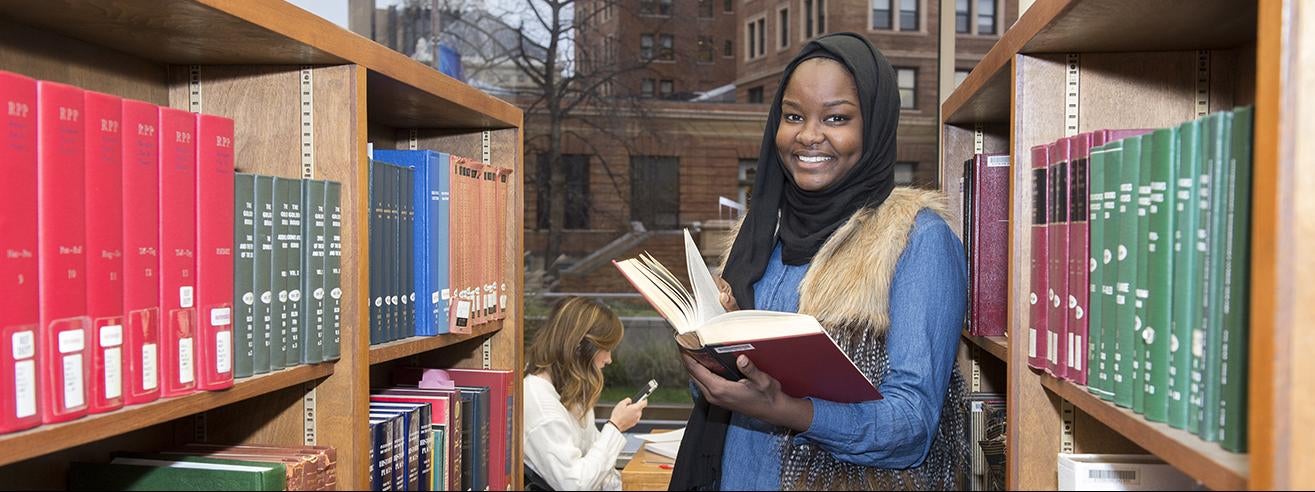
[645, 391]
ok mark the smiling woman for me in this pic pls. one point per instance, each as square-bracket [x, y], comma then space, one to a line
[820, 137]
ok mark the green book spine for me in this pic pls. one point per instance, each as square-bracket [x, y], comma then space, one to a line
[394, 256]
[438, 457]
[408, 248]
[1159, 302]
[1096, 375]
[1113, 165]
[1126, 274]
[312, 270]
[144, 474]
[291, 239]
[1142, 280]
[265, 316]
[244, 273]
[1233, 378]
[1212, 307]
[376, 253]
[333, 271]
[278, 304]
[1201, 242]
[1186, 298]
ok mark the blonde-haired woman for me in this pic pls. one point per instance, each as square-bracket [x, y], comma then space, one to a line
[564, 376]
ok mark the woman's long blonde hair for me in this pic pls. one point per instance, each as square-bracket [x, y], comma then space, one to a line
[565, 346]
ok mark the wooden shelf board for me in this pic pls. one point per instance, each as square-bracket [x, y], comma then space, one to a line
[1092, 26]
[242, 32]
[55, 437]
[1204, 461]
[411, 346]
[996, 346]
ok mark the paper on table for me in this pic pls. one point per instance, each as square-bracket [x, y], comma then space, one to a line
[673, 436]
[668, 449]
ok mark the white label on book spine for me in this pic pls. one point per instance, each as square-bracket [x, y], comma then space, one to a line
[997, 161]
[24, 345]
[1031, 341]
[463, 309]
[743, 347]
[185, 296]
[111, 336]
[1077, 357]
[113, 372]
[221, 316]
[74, 390]
[25, 388]
[72, 341]
[186, 373]
[224, 351]
[150, 371]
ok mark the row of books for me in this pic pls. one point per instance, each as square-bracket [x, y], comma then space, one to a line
[117, 263]
[443, 429]
[437, 230]
[212, 467]
[287, 272]
[986, 440]
[1140, 266]
[984, 194]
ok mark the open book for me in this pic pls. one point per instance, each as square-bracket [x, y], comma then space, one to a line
[791, 347]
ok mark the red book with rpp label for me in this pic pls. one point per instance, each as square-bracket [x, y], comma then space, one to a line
[141, 245]
[61, 253]
[177, 271]
[214, 252]
[18, 254]
[104, 204]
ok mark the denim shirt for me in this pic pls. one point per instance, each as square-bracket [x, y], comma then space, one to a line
[927, 302]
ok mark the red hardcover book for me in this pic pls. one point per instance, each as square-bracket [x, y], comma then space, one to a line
[504, 283]
[18, 254]
[465, 306]
[1057, 259]
[62, 278]
[501, 385]
[104, 184]
[1037, 332]
[141, 244]
[177, 252]
[990, 238]
[214, 252]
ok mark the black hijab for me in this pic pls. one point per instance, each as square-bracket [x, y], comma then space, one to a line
[807, 218]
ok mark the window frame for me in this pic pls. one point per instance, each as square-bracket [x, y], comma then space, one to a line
[895, 12]
[813, 21]
[646, 53]
[647, 88]
[666, 88]
[755, 37]
[913, 105]
[646, 213]
[711, 9]
[666, 48]
[706, 46]
[783, 27]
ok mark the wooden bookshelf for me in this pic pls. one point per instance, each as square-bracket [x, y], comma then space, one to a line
[249, 59]
[1137, 71]
[996, 346]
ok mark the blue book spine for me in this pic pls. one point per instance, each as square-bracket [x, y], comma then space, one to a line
[431, 195]
[440, 246]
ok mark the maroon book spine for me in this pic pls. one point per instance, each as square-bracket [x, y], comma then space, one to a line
[177, 251]
[62, 244]
[990, 239]
[1037, 333]
[19, 357]
[141, 245]
[214, 251]
[104, 186]
[1057, 260]
[1079, 266]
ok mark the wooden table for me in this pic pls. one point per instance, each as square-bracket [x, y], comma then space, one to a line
[646, 471]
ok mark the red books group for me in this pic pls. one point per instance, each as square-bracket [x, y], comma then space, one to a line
[18, 254]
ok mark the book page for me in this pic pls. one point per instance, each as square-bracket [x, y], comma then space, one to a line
[705, 289]
[748, 325]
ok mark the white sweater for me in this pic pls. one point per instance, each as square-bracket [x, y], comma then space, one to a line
[570, 454]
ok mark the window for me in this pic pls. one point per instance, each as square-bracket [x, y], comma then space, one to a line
[576, 168]
[959, 75]
[707, 50]
[756, 95]
[705, 9]
[881, 18]
[962, 17]
[814, 19]
[655, 191]
[646, 88]
[655, 7]
[756, 37]
[783, 27]
[748, 172]
[666, 88]
[985, 16]
[645, 47]
[904, 172]
[762, 37]
[908, 87]
[908, 15]
[668, 52]
[728, 6]
[728, 49]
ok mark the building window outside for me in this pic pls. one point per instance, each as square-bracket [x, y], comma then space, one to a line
[707, 50]
[655, 7]
[908, 15]
[666, 88]
[750, 33]
[705, 9]
[756, 38]
[962, 17]
[668, 52]
[908, 87]
[756, 95]
[728, 49]
[645, 47]
[576, 167]
[728, 6]
[986, 17]
[814, 19]
[904, 172]
[748, 172]
[646, 88]
[655, 191]
[959, 75]
[783, 27]
[881, 15]
[762, 36]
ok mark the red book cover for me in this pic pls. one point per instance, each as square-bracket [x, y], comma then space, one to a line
[502, 391]
[465, 301]
[1057, 259]
[104, 184]
[990, 237]
[488, 253]
[177, 252]
[141, 244]
[61, 253]
[504, 283]
[214, 252]
[1079, 256]
[1037, 333]
[18, 254]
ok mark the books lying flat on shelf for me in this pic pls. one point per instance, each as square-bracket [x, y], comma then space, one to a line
[791, 347]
